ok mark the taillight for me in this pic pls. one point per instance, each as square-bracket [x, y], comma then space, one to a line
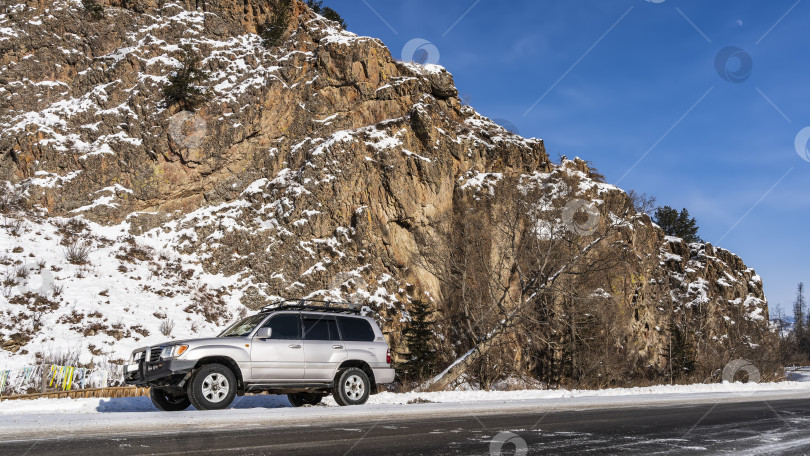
[388, 356]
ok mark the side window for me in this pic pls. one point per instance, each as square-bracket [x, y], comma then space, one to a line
[285, 326]
[356, 329]
[320, 329]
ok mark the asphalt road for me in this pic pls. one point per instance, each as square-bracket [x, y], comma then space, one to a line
[773, 427]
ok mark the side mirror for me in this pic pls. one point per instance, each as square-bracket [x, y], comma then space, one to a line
[264, 333]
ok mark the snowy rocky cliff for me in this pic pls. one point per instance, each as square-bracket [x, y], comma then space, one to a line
[316, 168]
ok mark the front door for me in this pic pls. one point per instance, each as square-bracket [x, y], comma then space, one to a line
[281, 357]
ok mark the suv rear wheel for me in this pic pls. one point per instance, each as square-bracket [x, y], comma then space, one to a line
[167, 401]
[352, 387]
[212, 387]
[299, 399]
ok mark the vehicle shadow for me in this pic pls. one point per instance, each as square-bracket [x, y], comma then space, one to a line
[144, 404]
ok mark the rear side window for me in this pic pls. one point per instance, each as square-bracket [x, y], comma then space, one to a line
[320, 329]
[356, 329]
[285, 326]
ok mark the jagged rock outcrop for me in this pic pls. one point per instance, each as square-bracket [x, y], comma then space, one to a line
[313, 170]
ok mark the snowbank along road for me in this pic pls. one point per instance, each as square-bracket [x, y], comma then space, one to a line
[697, 419]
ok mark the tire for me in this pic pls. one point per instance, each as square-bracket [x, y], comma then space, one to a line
[352, 387]
[212, 387]
[300, 399]
[168, 402]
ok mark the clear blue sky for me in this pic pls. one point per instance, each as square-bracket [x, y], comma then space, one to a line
[625, 78]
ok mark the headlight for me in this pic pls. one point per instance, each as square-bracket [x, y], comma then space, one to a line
[137, 356]
[172, 351]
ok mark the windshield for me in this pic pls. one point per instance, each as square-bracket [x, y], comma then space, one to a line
[243, 327]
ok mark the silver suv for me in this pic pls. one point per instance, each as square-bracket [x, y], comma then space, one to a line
[305, 349]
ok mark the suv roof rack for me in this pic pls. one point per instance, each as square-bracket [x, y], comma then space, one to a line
[313, 305]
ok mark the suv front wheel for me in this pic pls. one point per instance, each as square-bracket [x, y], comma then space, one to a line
[212, 387]
[352, 387]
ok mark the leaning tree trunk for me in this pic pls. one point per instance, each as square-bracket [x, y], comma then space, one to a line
[459, 366]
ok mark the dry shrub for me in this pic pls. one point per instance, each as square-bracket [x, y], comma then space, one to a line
[77, 253]
[21, 271]
[13, 226]
[9, 279]
[166, 327]
[60, 358]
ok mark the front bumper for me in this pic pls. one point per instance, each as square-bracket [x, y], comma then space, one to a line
[157, 373]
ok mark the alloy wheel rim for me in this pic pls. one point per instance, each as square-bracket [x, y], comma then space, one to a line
[354, 387]
[215, 387]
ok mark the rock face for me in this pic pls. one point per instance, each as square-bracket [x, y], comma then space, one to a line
[312, 170]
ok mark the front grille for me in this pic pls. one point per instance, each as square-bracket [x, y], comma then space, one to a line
[154, 353]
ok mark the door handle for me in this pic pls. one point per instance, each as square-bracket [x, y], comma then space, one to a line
[294, 345]
[337, 347]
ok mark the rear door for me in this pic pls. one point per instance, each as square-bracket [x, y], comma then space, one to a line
[282, 356]
[358, 337]
[323, 349]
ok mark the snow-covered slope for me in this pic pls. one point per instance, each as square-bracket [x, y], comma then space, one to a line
[129, 291]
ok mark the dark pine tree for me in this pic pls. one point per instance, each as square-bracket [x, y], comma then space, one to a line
[333, 15]
[420, 342]
[273, 30]
[325, 11]
[800, 324]
[183, 88]
[677, 224]
[315, 5]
